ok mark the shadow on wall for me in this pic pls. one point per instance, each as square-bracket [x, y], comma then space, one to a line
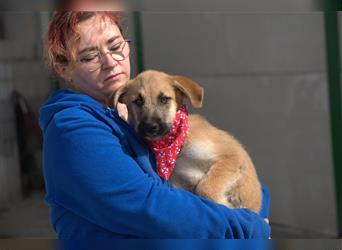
[30, 145]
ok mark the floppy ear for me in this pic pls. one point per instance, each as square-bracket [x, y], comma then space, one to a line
[190, 89]
[118, 95]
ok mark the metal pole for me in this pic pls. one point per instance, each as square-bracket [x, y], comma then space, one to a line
[334, 85]
[138, 41]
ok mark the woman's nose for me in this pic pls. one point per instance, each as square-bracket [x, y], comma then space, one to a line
[108, 61]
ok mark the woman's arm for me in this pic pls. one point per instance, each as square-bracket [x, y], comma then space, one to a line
[91, 175]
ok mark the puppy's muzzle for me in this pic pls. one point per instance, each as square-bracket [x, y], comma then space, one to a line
[152, 129]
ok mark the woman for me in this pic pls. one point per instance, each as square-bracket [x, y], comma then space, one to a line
[100, 177]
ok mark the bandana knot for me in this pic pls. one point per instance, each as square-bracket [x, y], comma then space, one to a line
[167, 149]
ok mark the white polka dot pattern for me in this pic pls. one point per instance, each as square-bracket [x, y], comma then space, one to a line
[167, 149]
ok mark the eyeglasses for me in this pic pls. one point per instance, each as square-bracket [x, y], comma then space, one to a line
[94, 59]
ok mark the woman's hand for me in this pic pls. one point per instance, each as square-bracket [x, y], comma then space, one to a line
[268, 222]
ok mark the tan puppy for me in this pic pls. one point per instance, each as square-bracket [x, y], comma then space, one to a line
[212, 163]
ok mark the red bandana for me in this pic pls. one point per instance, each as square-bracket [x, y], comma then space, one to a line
[167, 149]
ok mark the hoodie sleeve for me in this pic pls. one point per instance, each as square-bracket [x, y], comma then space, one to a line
[90, 174]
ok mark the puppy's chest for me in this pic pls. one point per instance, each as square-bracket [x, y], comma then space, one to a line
[193, 163]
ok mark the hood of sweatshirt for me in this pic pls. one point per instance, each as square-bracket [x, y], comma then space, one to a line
[61, 100]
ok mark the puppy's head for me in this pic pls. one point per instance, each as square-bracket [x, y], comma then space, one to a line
[153, 98]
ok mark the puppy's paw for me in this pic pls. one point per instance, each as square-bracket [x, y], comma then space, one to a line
[235, 201]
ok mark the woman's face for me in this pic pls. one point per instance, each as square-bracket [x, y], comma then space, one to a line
[96, 73]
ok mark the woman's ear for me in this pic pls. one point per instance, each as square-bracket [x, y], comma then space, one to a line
[190, 89]
[63, 71]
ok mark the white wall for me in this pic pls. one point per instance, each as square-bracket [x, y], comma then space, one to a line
[265, 82]
[21, 69]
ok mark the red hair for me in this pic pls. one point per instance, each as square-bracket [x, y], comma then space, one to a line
[63, 38]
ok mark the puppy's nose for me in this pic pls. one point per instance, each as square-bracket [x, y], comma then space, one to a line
[151, 127]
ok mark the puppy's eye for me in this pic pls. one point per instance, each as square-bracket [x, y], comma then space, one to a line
[139, 101]
[164, 99]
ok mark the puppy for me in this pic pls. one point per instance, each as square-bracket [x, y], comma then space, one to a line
[211, 163]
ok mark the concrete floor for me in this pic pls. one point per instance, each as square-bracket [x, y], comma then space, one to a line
[29, 218]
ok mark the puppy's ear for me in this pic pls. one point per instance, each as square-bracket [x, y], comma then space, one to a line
[118, 96]
[190, 89]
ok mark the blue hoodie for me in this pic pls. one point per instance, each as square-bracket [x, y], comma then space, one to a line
[101, 182]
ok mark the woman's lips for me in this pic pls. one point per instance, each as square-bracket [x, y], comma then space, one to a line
[113, 77]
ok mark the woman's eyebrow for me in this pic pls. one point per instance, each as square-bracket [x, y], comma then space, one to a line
[95, 48]
[109, 41]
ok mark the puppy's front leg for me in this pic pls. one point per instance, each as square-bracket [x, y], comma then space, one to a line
[220, 181]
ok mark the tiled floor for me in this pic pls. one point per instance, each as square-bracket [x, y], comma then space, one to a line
[27, 218]
[286, 232]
